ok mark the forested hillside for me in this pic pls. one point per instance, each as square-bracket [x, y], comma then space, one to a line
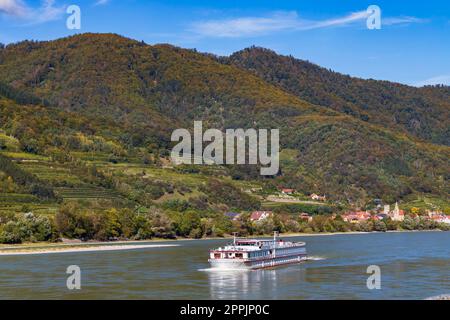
[422, 112]
[109, 99]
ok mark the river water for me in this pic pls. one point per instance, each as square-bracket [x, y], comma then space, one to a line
[414, 265]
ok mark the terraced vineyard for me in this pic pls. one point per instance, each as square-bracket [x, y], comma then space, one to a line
[67, 185]
[51, 172]
[17, 198]
[17, 202]
[86, 193]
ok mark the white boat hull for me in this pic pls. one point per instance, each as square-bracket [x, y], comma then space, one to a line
[246, 264]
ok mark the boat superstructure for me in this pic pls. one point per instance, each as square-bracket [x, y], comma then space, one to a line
[257, 254]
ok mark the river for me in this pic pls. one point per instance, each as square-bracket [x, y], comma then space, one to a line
[414, 265]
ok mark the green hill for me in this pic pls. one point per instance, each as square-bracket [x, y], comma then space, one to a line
[101, 103]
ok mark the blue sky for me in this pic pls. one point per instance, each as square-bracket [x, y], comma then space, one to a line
[412, 46]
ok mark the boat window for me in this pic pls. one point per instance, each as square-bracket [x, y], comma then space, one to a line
[245, 243]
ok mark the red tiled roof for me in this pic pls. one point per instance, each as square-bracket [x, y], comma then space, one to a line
[256, 215]
[304, 214]
[358, 215]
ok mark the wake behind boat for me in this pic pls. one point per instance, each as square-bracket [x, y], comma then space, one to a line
[257, 254]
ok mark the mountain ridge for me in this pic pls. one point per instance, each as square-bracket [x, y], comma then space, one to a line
[418, 111]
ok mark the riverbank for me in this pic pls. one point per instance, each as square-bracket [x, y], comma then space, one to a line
[70, 247]
[81, 248]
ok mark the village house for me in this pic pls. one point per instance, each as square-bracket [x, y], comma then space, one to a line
[445, 219]
[305, 216]
[317, 197]
[438, 216]
[381, 216]
[356, 217]
[232, 215]
[258, 216]
[287, 191]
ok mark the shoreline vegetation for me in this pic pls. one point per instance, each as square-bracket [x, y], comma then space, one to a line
[73, 224]
[95, 246]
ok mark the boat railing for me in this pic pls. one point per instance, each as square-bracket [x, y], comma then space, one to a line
[267, 245]
[289, 244]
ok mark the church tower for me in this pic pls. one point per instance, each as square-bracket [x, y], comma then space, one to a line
[397, 215]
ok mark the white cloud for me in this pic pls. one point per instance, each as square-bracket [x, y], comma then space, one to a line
[47, 11]
[444, 79]
[13, 8]
[101, 2]
[402, 20]
[246, 26]
[281, 21]
[353, 17]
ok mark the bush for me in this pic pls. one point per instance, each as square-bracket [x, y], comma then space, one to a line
[10, 233]
[42, 191]
[27, 228]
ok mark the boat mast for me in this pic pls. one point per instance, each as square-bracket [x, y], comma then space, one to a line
[275, 233]
[234, 238]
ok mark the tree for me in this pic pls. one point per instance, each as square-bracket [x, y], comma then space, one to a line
[186, 222]
[127, 222]
[409, 223]
[379, 226]
[106, 225]
[391, 224]
[161, 224]
[71, 222]
[10, 184]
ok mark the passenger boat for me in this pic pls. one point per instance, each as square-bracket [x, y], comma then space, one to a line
[257, 254]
